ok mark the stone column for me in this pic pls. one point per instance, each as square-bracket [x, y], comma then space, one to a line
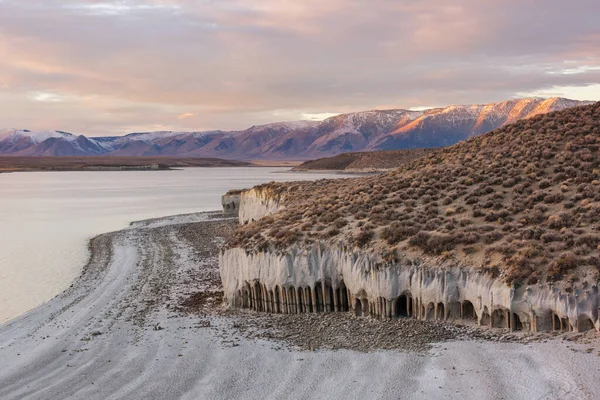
[278, 300]
[349, 299]
[326, 298]
[418, 308]
[336, 305]
[298, 302]
[268, 299]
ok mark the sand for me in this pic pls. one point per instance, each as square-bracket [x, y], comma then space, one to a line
[118, 333]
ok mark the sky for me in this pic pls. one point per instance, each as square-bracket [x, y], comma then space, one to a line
[114, 67]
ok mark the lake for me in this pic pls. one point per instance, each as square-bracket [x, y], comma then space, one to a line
[47, 218]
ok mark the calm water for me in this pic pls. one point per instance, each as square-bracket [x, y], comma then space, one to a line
[46, 218]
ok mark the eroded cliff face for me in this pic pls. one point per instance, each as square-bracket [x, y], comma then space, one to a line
[328, 277]
[258, 202]
[231, 203]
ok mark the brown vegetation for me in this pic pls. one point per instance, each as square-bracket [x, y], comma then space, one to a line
[522, 202]
[369, 160]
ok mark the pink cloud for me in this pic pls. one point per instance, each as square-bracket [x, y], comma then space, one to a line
[237, 62]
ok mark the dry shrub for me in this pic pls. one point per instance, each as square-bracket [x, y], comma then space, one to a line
[434, 244]
[397, 232]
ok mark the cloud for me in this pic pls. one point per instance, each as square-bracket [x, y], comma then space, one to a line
[116, 7]
[47, 97]
[318, 116]
[133, 64]
[185, 115]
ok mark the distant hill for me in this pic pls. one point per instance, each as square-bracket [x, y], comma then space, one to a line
[93, 163]
[364, 161]
[301, 140]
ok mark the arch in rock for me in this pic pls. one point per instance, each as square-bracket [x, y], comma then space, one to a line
[584, 323]
[277, 300]
[485, 317]
[300, 305]
[404, 305]
[499, 319]
[440, 311]
[454, 310]
[565, 324]
[357, 307]
[556, 325]
[365, 306]
[342, 296]
[468, 311]
[430, 312]
[518, 325]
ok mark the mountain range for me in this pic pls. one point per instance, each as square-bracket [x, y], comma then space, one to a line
[300, 140]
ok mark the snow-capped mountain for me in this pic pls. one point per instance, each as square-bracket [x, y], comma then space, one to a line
[48, 143]
[367, 130]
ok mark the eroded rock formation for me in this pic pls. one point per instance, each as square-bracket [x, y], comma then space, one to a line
[258, 202]
[327, 278]
[231, 202]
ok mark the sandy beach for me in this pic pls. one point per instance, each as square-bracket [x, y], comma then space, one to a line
[145, 321]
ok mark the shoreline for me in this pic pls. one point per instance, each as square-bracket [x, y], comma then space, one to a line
[123, 163]
[144, 320]
[353, 173]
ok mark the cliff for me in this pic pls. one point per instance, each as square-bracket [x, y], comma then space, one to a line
[231, 202]
[331, 278]
[325, 278]
[258, 202]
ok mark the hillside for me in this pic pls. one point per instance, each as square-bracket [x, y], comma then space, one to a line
[521, 203]
[364, 161]
[301, 140]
